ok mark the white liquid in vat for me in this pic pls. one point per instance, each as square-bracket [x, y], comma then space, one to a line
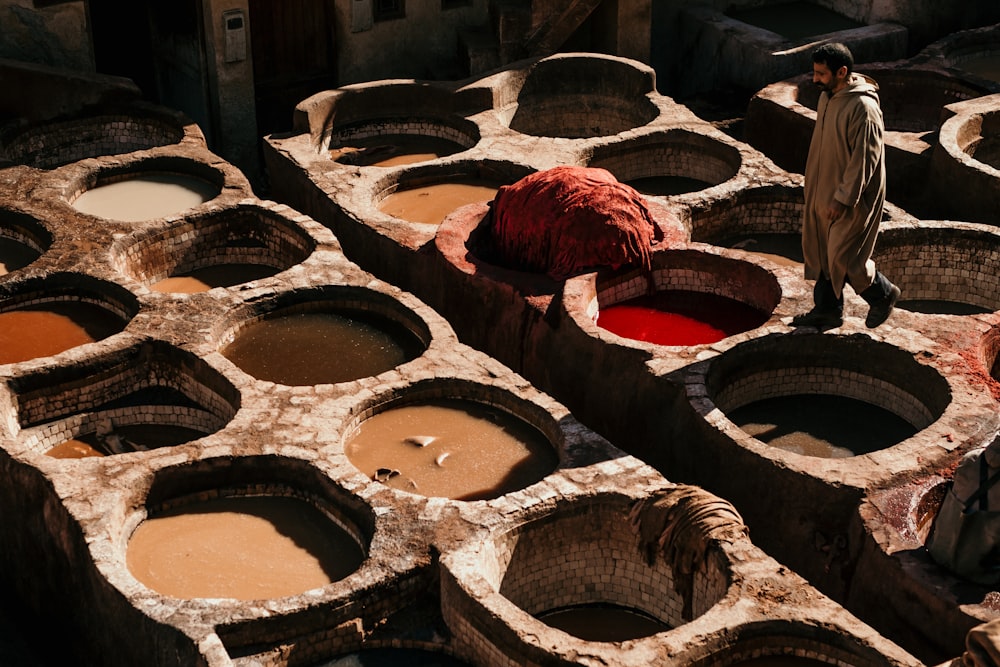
[145, 197]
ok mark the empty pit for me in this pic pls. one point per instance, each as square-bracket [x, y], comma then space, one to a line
[454, 439]
[42, 317]
[689, 298]
[23, 239]
[942, 268]
[324, 336]
[427, 195]
[147, 190]
[54, 144]
[578, 575]
[765, 221]
[144, 397]
[578, 96]
[792, 397]
[215, 249]
[675, 162]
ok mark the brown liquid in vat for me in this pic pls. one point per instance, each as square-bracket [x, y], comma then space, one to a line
[319, 348]
[73, 449]
[986, 66]
[51, 328]
[822, 425]
[131, 437]
[782, 249]
[781, 661]
[248, 548]
[15, 255]
[217, 275]
[393, 150]
[475, 451]
[431, 204]
[145, 197]
[603, 623]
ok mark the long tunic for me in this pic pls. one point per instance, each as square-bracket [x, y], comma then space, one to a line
[845, 163]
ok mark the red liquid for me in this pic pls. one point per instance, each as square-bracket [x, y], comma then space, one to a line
[678, 317]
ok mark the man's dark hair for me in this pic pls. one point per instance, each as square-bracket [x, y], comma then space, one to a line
[834, 55]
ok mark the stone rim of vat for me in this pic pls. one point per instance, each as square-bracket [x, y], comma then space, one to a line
[111, 377]
[86, 126]
[714, 153]
[965, 128]
[570, 76]
[75, 179]
[396, 307]
[27, 230]
[569, 447]
[729, 273]
[251, 227]
[952, 49]
[70, 287]
[947, 400]
[501, 172]
[473, 576]
[908, 241]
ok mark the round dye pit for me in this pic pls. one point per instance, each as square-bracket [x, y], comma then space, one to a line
[220, 249]
[943, 268]
[764, 221]
[55, 144]
[690, 298]
[431, 203]
[793, 392]
[140, 398]
[395, 657]
[60, 313]
[325, 342]
[672, 163]
[582, 571]
[22, 240]
[450, 447]
[562, 98]
[145, 196]
[242, 547]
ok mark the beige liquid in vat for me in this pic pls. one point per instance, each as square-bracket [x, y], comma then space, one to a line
[247, 548]
[451, 448]
[145, 197]
[51, 328]
[431, 204]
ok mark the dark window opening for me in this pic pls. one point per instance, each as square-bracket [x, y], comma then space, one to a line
[389, 9]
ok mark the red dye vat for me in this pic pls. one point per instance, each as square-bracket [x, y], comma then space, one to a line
[679, 317]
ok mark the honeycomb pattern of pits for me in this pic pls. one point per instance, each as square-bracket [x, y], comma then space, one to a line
[561, 99]
[690, 271]
[163, 186]
[289, 339]
[160, 391]
[532, 454]
[58, 143]
[942, 269]
[23, 239]
[428, 194]
[675, 162]
[846, 367]
[237, 241]
[52, 314]
[763, 220]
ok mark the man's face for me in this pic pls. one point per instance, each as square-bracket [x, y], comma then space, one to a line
[828, 80]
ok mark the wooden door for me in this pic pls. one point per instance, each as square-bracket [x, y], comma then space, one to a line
[294, 56]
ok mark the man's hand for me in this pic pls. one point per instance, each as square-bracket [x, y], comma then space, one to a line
[835, 210]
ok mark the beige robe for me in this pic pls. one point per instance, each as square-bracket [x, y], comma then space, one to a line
[846, 163]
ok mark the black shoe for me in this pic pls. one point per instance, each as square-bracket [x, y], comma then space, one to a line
[819, 318]
[880, 310]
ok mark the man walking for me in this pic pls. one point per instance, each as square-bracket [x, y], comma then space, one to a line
[844, 194]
